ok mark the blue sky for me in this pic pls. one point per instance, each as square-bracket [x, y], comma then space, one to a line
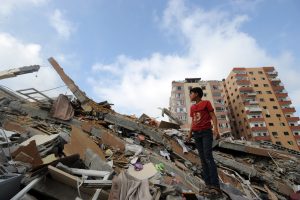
[128, 52]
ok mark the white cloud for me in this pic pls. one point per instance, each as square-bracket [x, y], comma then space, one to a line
[62, 26]
[98, 67]
[15, 53]
[214, 44]
[8, 6]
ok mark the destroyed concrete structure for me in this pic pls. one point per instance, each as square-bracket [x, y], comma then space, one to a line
[85, 150]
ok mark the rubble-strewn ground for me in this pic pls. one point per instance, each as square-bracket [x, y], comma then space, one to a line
[80, 149]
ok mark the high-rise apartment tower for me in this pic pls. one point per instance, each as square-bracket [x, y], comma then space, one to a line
[259, 107]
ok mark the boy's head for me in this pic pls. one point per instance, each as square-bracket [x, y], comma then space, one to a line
[195, 93]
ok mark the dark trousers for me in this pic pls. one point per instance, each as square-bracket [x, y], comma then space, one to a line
[204, 140]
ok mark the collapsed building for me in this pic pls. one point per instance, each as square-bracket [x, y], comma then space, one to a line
[81, 149]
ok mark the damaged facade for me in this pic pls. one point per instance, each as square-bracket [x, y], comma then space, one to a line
[81, 149]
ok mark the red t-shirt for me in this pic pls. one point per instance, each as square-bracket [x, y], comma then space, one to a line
[201, 119]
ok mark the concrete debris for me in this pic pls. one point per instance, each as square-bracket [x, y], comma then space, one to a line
[18, 71]
[62, 108]
[84, 150]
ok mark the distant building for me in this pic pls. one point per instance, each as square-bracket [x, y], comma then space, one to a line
[180, 101]
[259, 107]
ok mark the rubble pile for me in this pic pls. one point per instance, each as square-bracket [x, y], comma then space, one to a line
[80, 149]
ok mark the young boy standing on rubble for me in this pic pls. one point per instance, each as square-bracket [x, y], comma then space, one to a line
[202, 114]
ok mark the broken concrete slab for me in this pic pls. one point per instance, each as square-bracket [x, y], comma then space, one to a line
[80, 141]
[68, 179]
[30, 150]
[62, 108]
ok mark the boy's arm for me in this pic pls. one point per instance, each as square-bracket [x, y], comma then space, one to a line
[215, 124]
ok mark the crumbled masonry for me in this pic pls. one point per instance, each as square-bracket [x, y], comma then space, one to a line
[79, 149]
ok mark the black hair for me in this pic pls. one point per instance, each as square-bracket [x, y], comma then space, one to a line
[198, 91]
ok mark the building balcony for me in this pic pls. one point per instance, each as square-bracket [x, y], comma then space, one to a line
[288, 110]
[243, 82]
[221, 112]
[278, 88]
[281, 95]
[259, 128]
[251, 94]
[239, 69]
[253, 102]
[292, 119]
[288, 102]
[240, 75]
[272, 73]
[248, 103]
[246, 89]
[260, 138]
[295, 128]
[297, 137]
[258, 119]
[275, 79]
[253, 110]
[268, 69]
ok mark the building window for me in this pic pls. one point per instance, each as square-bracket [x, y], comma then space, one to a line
[251, 73]
[203, 87]
[258, 92]
[253, 78]
[264, 107]
[261, 100]
[278, 143]
[272, 99]
[179, 88]
[181, 110]
[278, 115]
[260, 72]
[286, 133]
[271, 124]
[282, 124]
[262, 78]
[268, 92]
[275, 134]
[268, 116]
[179, 103]
[290, 142]
[204, 94]
[215, 87]
[266, 85]
[238, 96]
[255, 85]
[178, 95]
[275, 107]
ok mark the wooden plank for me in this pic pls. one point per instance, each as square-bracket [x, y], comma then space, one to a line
[68, 179]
